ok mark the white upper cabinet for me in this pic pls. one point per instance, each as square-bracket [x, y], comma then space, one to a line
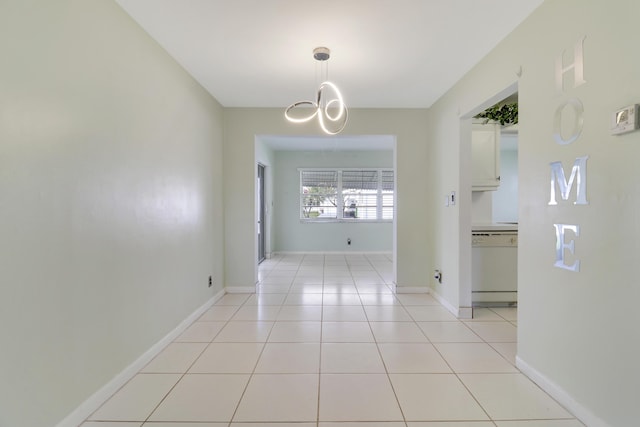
[485, 157]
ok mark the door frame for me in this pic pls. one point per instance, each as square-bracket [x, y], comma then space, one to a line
[261, 229]
[465, 303]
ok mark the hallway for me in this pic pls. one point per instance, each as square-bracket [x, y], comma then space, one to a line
[326, 343]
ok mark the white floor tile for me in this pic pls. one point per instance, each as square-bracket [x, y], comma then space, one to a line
[368, 281]
[485, 315]
[330, 287]
[266, 299]
[256, 312]
[357, 397]
[136, 399]
[304, 298]
[448, 332]
[346, 332]
[397, 332]
[300, 313]
[228, 358]
[295, 332]
[371, 291]
[219, 313]
[337, 273]
[232, 299]
[417, 299]
[110, 424]
[272, 289]
[282, 397]
[244, 332]
[288, 273]
[495, 331]
[474, 358]
[508, 350]
[166, 424]
[312, 271]
[436, 397]
[175, 358]
[412, 358]
[380, 313]
[512, 397]
[287, 424]
[289, 358]
[540, 423]
[379, 299]
[341, 299]
[452, 424]
[211, 397]
[305, 284]
[430, 313]
[351, 358]
[201, 332]
[277, 281]
[334, 283]
[507, 313]
[367, 424]
[344, 313]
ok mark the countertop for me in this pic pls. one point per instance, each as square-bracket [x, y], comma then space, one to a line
[495, 226]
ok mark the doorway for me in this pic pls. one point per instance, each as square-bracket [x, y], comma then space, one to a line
[286, 232]
[261, 214]
[491, 224]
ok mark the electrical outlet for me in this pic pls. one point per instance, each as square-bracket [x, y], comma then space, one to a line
[348, 240]
[437, 274]
[210, 281]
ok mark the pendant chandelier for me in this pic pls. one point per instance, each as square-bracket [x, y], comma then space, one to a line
[329, 106]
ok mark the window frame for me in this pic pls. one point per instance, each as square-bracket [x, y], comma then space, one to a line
[381, 195]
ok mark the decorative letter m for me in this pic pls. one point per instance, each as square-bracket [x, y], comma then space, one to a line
[578, 175]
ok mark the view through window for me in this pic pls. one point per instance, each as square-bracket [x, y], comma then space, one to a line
[346, 194]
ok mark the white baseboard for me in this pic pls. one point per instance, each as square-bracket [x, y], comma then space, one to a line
[333, 253]
[96, 400]
[240, 289]
[559, 394]
[459, 312]
[412, 289]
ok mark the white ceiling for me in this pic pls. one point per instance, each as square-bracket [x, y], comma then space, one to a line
[384, 53]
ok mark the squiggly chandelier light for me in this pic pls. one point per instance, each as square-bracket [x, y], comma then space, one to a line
[329, 106]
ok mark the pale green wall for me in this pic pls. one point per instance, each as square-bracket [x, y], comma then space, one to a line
[110, 193]
[577, 332]
[409, 126]
[292, 235]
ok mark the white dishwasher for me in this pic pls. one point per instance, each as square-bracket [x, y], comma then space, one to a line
[494, 268]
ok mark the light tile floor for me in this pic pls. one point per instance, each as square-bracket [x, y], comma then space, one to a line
[324, 342]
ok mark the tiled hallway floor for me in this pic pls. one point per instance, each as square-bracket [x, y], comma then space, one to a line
[325, 343]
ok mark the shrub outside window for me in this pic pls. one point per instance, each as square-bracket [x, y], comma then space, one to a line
[346, 194]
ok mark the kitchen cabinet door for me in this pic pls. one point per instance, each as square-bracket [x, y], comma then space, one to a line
[485, 157]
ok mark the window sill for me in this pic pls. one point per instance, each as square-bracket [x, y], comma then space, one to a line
[344, 220]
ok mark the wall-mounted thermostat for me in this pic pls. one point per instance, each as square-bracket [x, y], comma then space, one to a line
[625, 120]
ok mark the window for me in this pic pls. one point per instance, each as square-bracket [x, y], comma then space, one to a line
[346, 194]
